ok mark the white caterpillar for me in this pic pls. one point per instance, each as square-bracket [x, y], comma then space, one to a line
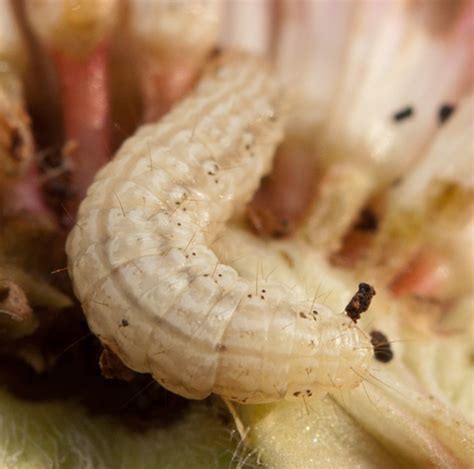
[156, 294]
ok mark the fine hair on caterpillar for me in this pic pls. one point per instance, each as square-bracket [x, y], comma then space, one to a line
[141, 253]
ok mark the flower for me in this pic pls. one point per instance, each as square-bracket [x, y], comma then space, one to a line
[373, 81]
[373, 183]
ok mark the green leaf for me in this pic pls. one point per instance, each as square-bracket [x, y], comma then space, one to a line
[60, 434]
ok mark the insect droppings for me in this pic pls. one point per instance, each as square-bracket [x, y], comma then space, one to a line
[360, 302]
[382, 350]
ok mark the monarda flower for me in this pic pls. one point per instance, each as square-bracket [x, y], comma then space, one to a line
[371, 188]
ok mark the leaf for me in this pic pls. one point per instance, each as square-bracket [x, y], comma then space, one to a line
[60, 434]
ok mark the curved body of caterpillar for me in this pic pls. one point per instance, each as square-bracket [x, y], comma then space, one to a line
[152, 288]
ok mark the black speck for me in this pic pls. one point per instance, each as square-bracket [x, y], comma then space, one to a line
[302, 315]
[264, 291]
[382, 350]
[403, 114]
[445, 112]
[193, 253]
[124, 323]
[262, 297]
[249, 296]
[297, 393]
[219, 275]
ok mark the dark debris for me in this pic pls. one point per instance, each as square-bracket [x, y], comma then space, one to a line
[360, 302]
[382, 349]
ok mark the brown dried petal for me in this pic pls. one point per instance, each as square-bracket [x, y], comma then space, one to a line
[280, 204]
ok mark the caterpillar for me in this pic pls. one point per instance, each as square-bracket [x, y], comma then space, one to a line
[154, 291]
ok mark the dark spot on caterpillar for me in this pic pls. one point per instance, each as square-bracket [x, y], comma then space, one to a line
[360, 302]
[302, 315]
[403, 114]
[249, 296]
[262, 297]
[445, 112]
[297, 393]
[382, 349]
[220, 348]
[124, 323]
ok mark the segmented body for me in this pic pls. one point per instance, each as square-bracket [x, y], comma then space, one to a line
[152, 288]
